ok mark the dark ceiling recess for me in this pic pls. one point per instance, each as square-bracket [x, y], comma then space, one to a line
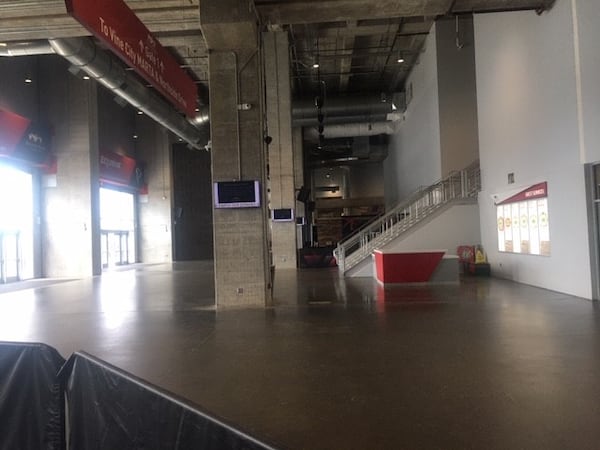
[365, 46]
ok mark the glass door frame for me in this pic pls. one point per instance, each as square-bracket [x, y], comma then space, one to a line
[4, 278]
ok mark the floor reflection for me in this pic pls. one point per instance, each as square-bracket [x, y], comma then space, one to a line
[341, 363]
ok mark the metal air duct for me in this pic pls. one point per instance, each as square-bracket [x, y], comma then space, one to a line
[311, 134]
[108, 70]
[26, 48]
[364, 108]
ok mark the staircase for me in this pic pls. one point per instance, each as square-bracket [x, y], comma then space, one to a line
[457, 187]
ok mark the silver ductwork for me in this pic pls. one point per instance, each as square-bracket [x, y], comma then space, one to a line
[363, 108]
[202, 116]
[108, 70]
[26, 48]
[311, 134]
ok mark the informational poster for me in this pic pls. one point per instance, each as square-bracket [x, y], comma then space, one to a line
[522, 221]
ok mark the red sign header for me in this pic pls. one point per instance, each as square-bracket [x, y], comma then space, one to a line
[24, 140]
[116, 25]
[539, 190]
[120, 170]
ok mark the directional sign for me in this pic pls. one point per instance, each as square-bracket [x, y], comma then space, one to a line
[117, 26]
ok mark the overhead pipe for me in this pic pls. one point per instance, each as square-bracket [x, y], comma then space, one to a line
[367, 107]
[377, 154]
[333, 120]
[108, 70]
[26, 48]
[311, 134]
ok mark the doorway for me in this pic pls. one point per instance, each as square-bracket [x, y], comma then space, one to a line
[117, 228]
[16, 225]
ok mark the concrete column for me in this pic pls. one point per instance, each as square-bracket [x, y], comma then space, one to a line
[281, 154]
[71, 209]
[242, 258]
[155, 237]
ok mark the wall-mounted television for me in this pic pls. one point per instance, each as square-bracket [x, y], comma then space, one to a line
[237, 194]
[282, 215]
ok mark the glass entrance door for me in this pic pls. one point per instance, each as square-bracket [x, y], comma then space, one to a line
[117, 223]
[115, 248]
[10, 257]
[16, 224]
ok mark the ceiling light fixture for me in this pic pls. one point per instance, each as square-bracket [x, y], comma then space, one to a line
[86, 77]
[139, 112]
[316, 65]
[400, 59]
[135, 136]
[28, 80]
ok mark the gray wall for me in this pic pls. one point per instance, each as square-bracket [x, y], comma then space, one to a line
[414, 151]
[116, 125]
[155, 225]
[71, 212]
[365, 180]
[16, 95]
[457, 94]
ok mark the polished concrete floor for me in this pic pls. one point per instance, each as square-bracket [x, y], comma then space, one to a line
[341, 364]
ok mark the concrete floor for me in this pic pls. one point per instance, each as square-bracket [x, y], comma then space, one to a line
[341, 364]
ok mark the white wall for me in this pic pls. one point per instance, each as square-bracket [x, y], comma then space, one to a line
[527, 113]
[414, 151]
[588, 18]
[458, 225]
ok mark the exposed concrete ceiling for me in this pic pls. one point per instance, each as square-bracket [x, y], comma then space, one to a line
[356, 42]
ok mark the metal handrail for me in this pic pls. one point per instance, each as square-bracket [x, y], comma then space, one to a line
[408, 213]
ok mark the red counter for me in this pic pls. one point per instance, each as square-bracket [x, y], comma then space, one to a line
[406, 267]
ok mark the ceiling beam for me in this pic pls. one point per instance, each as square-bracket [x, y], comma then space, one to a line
[29, 20]
[307, 11]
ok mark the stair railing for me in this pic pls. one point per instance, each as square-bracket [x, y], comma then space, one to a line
[408, 213]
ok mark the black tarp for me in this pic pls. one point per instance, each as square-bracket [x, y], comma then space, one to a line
[110, 409]
[31, 407]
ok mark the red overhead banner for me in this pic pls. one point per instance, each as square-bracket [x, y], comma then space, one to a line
[24, 140]
[116, 25]
[120, 170]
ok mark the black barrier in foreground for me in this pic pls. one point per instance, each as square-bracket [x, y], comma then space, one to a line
[110, 409]
[31, 403]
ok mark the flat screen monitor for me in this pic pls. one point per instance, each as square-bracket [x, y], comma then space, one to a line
[282, 215]
[237, 194]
